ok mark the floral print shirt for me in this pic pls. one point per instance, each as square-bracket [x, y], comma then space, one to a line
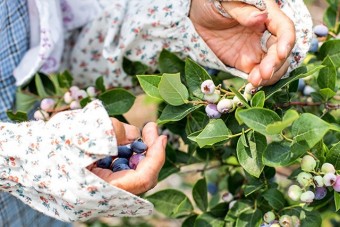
[44, 165]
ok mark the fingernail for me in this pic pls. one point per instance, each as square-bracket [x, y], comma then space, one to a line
[164, 140]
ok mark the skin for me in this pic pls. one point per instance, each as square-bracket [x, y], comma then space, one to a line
[145, 176]
[236, 40]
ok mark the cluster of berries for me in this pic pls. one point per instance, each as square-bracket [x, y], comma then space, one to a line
[72, 98]
[314, 184]
[320, 31]
[220, 104]
[128, 157]
[285, 220]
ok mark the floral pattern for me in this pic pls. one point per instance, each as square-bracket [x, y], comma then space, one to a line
[44, 165]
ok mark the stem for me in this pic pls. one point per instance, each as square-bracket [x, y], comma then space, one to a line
[329, 106]
[226, 92]
[286, 138]
[311, 154]
[201, 170]
[198, 102]
[239, 134]
[290, 207]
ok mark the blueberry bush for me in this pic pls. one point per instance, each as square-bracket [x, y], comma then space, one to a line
[246, 142]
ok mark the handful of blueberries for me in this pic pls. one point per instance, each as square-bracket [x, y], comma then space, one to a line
[128, 157]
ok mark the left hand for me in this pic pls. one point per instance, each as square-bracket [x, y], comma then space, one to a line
[236, 40]
[145, 176]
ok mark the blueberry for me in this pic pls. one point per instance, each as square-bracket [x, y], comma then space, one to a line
[138, 146]
[225, 105]
[208, 87]
[212, 98]
[294, 192]
[135, 159]
[120, 161]
[105, 162]
[329, 179]
[327, 168]
[120, 167]
[124, 152]
[304, 179]
[41, 115]
[336, 185]
[301, 85]
[307, 197]
[314, 45]
[285, 220]
[308, 90]
[269, 217]
[212, 112]
[320, 193]
[212, 72]
[320, 30]
[308, 163]
[47, 104]
[212, 188]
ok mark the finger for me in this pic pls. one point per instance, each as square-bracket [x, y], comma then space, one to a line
[255, 76]
[125, 133]
[131, 133]
[282, 27]
[247, 15]
[150, 133]
[277, 75]
[270, 63]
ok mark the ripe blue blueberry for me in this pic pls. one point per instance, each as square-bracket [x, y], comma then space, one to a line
[314, 45]
[138, 146]
[320, 193]
[308, 90]
[105, 162]
[118, 161]
[120, 167]
[135, 160]
[212, 188]
[320, 30]
[124, 152]
[212, 112]
[212, 71]
[301, 85]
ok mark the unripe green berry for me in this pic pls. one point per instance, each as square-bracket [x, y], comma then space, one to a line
[295, 221]
[269, 217]
[208, 87]
[250, 89]
[327, 168]
[275, 225]
[307, 197]
[318, 180]
[237, 101]
[304, 179]
[286, 221]
[225, 106]
[294, 192]
[212, 98]
[247, 96]
[308, 163]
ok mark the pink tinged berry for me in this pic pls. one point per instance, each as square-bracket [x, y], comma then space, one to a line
[318, 180]
[208, 87]
[320, 193]
[295, 221]
[308, 163]
[294, 192]
[47, 104]
[81, 94]
[307, 197]
[269, 217]
[225, 106]
[68, 97]
[75, 105]
[320, 30]
[250, 89]
[227, 197]
[336, 185]
[304, 179]
[74, 89]
[91, 91]
[329, 179]
[286, 221]
[212, 98]
[327, 168]
[41, 115]
[135, 160]
[211, 111]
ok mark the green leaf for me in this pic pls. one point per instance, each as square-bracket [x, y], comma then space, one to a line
[171, 202]
[190, 221]
[239, 96]
[196, 122]
[309, 128]
[250, 157]
[172, 90]
[327, 93]
[258, 118]
[117, 101]
[278, 154]
[18, 116]
[329, 17]
[100, 86]
[167, 169]
[250, 218]
[216, 131]
[220, 210]
[277, 127]
[25, 101]
[253, 185]
[170, 63]
[134, 67]
[195, 75]
[258, 99]
[275, 198]
[150, 83]
[327, 75]
[40, 87]
[199, 193]
[65, 79]
[207, 220]
[332, 49]
[55, 81]
[239, 207]
[176, 113]
[337, 200]
[333, 156]
[296, 74]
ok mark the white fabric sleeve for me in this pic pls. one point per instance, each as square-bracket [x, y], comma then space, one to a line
[44, 165]
[140, 29]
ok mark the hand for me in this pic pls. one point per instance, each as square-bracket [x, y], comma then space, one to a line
[236, 40]
[145, 176]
